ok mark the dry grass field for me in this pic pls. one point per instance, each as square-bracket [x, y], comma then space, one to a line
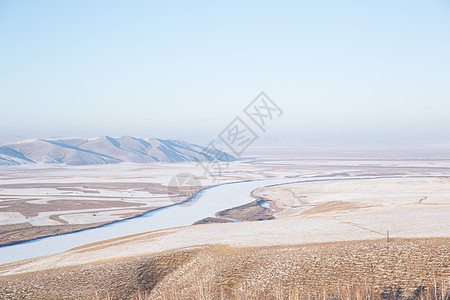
[400, 268]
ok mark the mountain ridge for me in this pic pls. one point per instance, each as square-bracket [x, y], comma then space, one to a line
[104, 150]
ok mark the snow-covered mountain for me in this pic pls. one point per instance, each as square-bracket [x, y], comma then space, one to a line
[103, 150]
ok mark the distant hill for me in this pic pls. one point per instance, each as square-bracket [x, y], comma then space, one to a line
[103, 150]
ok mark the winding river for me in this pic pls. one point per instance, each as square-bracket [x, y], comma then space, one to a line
[205, 204]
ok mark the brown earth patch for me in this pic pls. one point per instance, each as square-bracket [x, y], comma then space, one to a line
[32, 209]
[332, 206]
[58, 219]
[247, 212]
[155, 188]
[212, 220]
[16, 233]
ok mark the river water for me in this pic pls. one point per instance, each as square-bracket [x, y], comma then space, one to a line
[205, 204]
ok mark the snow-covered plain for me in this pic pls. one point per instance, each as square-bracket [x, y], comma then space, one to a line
[415, 206]
[402, 221]
[137, 187]
[356, 195]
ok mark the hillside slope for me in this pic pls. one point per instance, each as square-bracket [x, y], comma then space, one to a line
[377, 269]
[103, 150]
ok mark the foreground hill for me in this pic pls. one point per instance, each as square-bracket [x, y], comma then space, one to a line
[103, 150]
[399, 269]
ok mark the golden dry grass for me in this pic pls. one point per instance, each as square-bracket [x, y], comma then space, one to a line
[400, 269]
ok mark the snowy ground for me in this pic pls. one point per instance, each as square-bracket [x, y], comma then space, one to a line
[38, 185]
[41, 186]
[306, 212]
[408, 221]
[355, 196]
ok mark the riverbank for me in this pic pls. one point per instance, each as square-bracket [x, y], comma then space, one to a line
[401, 220]
[205, 203]
[41, 201]
[25, 232]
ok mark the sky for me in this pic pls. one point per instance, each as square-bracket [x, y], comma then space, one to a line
[338, 69]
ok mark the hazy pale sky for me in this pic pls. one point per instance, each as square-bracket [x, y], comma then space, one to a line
[181, 68]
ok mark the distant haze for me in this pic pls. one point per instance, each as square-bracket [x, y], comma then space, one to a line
[347, 70]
